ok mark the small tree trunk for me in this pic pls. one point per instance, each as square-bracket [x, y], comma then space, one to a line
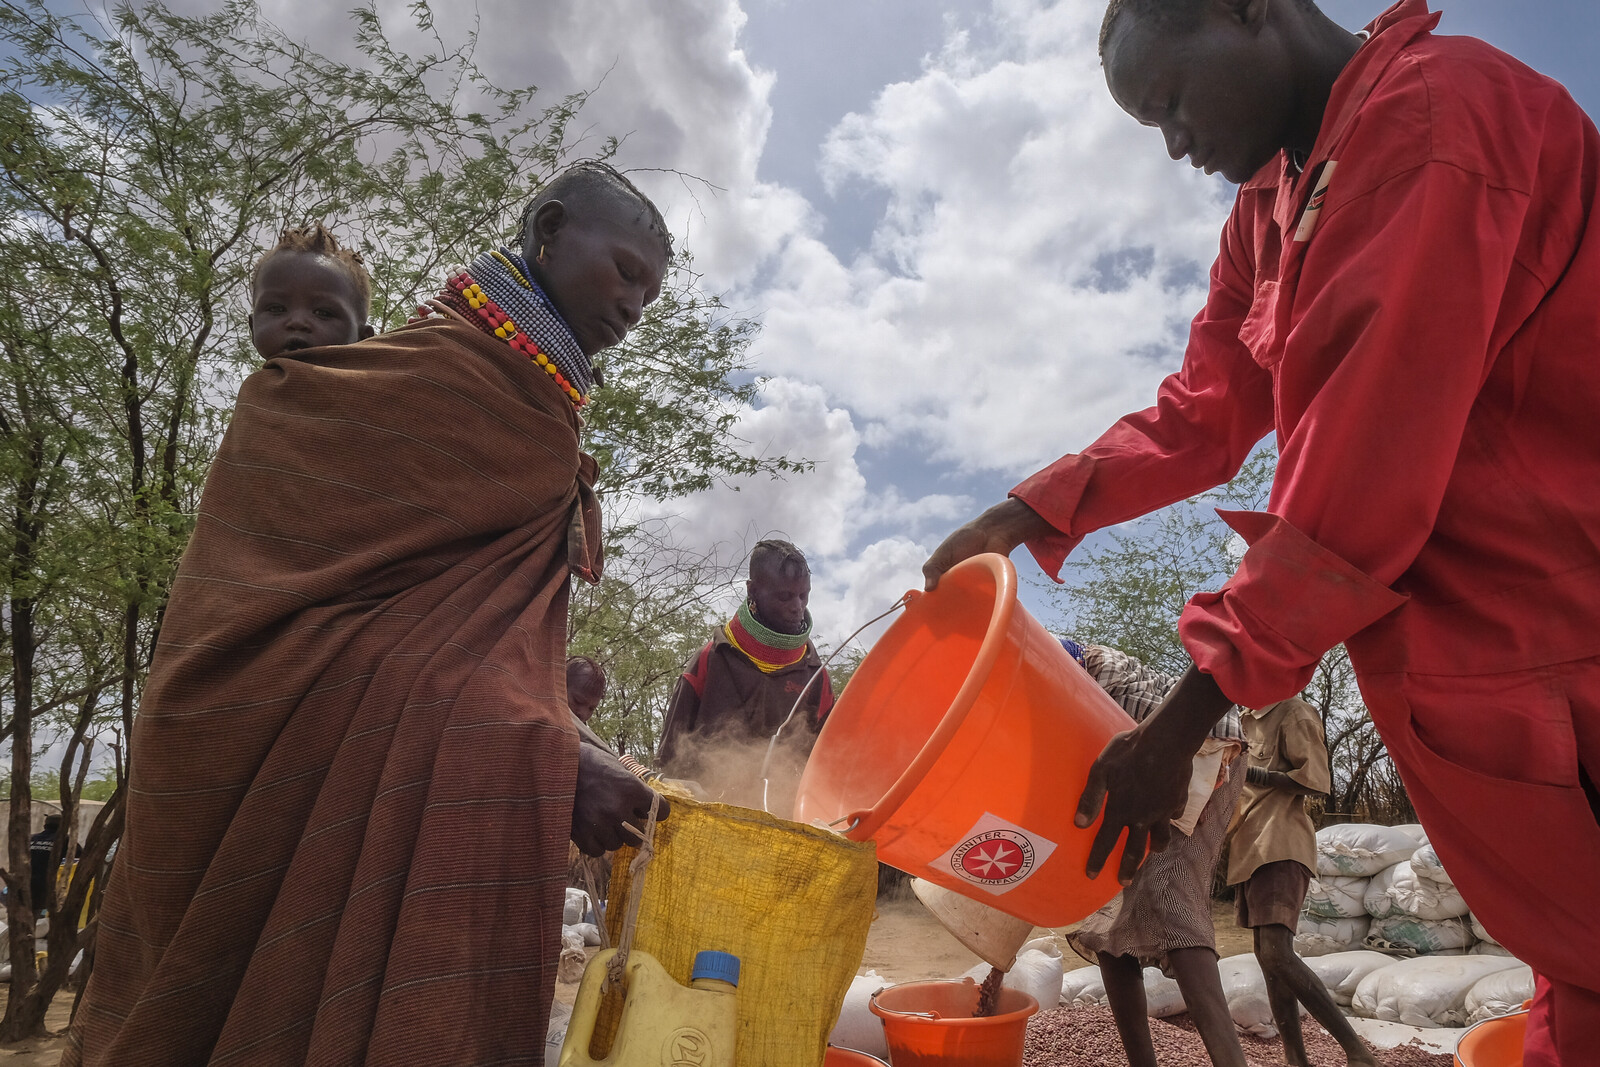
[64, 938]
[19, 898]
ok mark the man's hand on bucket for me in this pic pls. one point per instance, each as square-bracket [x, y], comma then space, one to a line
[611, 805]
[1000, 529]
[1142, 776]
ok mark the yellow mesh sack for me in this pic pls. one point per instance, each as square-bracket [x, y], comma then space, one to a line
[791, 901]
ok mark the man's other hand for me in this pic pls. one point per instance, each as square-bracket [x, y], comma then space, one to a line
[1000, 529]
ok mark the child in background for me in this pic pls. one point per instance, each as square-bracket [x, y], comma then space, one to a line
[308, 292]
[1271, 860]
[1163, 918]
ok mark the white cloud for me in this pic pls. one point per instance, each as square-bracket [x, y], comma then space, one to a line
[1035, 270]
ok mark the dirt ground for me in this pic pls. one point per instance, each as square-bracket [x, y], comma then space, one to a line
[44, 1051]
[907, 944]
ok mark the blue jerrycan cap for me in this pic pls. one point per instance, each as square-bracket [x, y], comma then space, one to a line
[721, 966]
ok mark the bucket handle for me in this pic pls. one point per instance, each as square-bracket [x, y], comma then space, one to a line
[931, 1016]
[868, 820]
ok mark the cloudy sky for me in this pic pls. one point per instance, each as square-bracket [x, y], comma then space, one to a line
[965, 259]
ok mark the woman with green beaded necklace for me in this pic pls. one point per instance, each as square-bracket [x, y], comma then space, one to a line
[743, 684]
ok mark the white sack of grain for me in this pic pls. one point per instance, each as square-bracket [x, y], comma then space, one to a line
[570, 966]
[1427, 992]
[1341, 972]
[1425, 898]
[571, 939]
[1489, 948]
[1500, 994]
[1426, 863]
[1378, 902]
[1037, 972]
[1318, 937]
[1246, 990]
[1407, 935]
[1162, 997]
[1083, 988]
[1361, 850]
[857, 1028]
[556, 1035]
[1477, 930]
[577, 906]
[1336, 897]
[1414, 831]
[588, 931]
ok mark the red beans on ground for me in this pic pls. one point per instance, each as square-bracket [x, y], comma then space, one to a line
[1087, 1037]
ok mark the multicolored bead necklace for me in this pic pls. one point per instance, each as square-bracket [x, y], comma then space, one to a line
[473, 292]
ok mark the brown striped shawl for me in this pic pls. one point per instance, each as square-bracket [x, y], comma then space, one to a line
[353, 768]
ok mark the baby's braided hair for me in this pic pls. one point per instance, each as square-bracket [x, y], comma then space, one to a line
[317, 239]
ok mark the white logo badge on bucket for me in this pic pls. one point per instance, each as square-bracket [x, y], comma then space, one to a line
[996, 856]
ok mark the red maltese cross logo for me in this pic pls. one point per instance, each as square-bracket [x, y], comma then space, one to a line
[996, 857]
[992, 861]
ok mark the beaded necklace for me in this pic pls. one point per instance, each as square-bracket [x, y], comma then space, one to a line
[768, 649]
[497, 295]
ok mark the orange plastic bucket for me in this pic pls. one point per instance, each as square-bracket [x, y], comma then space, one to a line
[960, 747]
[930, 1024]
[1494, 1042]
[849, 1057]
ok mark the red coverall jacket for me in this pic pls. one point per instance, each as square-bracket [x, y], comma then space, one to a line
[1417, 317]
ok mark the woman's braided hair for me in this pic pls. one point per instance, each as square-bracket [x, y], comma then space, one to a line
[591, 182]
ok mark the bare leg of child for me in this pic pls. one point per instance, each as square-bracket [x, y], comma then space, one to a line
[1291, 983]
[1124, 980]
[1201, 984]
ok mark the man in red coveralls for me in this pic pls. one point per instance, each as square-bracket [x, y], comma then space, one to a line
[1408, 295]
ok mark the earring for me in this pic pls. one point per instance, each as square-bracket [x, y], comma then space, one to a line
[541, 254]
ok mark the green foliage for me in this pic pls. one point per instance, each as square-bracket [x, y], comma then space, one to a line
[1129, 593]
[663, 425]
[47, 785]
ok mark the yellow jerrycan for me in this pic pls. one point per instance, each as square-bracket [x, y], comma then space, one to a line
[664, 1024]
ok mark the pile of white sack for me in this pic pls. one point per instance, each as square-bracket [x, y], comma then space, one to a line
[1433, 991]
[1383, 887]
[576, 935]
[1427, 991]
[1349, 855]
[578, 927]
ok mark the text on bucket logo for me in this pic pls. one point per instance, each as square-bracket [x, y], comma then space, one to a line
[997, 855]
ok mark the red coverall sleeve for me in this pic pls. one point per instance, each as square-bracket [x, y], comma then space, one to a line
[1206, 419]
[1388, 344]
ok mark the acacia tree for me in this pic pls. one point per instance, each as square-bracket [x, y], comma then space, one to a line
[1129, 592]
[146, 159]
[645, 619]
